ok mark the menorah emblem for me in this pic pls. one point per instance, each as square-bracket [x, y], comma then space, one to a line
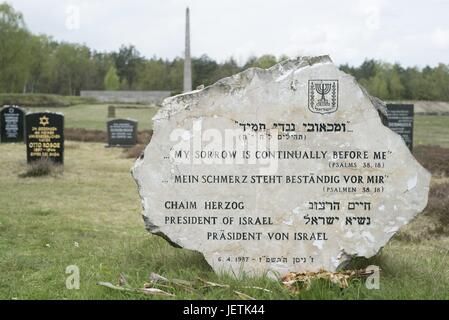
[323, 89]
[327, 99]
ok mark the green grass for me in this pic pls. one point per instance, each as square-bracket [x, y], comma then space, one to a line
[94, 117]
[43, 100]
[90, 216]
[431, 130]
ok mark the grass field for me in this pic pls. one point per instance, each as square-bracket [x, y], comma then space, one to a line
[94, 117]
[431, 130]
[90, 216]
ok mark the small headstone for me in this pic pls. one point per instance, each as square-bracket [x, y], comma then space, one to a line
[400, 120]
[12, 124]
[45, 136]
[111, 112]
[283, 170]
[122, 133]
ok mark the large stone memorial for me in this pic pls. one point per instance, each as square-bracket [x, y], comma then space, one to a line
[283, 170]
[400, 120]
[45, 136]
[122, 132]
[12, 124]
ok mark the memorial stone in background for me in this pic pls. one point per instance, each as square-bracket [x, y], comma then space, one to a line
[400, 120]
[122, 133]
[45, 136]
[283, 170]
[12, 124]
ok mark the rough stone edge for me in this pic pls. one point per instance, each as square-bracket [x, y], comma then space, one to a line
[171, 105]
[240, 79]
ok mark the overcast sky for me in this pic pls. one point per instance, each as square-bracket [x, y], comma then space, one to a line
[412, 32]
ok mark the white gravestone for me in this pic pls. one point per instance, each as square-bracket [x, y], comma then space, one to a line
[283, 170]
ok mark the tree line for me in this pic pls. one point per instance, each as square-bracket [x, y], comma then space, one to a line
[38, 64]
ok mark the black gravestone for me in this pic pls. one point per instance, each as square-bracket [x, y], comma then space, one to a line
[12, 124]
[400, 120]
[122, 133]
[45, 136]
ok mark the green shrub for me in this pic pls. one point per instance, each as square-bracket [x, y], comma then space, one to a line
[41, 168]
[43, 100]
